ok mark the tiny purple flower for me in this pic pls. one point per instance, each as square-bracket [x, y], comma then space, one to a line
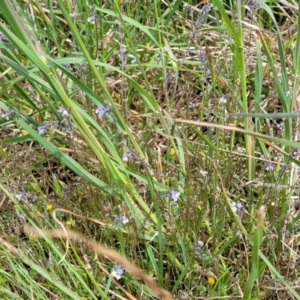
[117, 271]
[8, 114]
[44, 127]
[187, 6]
[280, 125]
[127, 155]
[239, 205]
[64, 111]
[24, 196]
[238, 208]
[91, 19]
[41, 129]
[253, 5]
[170, 76]
[222, 99]
[198, 247]
[202, 55]
[270, 166]
[20, 195]
[102, 110]
[193, 105]
[202, 13]
[295, 152]
[174, 195]
[121, 219]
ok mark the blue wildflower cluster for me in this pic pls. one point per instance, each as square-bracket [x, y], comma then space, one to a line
[127, 155]
[8, 114]
[204, 60]
[252, 4]
[104, 111]
[25, 196]
[45, 126]
[205, 9]
[202, 12]
[122, 219]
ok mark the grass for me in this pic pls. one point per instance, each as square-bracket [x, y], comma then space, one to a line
[149, 150]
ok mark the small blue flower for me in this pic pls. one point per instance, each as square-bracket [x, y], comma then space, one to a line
[170, 76]
[198, 247]
[134, 60]
[270, 166]
[117, 271]
[121, 219]
[91, 19]
[193, 105]
[239, 205]
[280, 125]
[127, 155]
[295, 152]
[41, 129]
[8, 114]
[102, 110]
[187, 6]
[64, 111]
[44, 127]
[20, 195]
[238, 208]
[24, 196]
[222, 99]
[202, 13]
[203, 56]
[72, 15]
[174, 195]
[253, 5]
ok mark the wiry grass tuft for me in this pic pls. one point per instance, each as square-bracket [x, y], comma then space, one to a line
[165, 134]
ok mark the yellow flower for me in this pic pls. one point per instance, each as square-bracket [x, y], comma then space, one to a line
[49, 206]
[71, 223]
[211, 280]
[172, 152]
[34, 237]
